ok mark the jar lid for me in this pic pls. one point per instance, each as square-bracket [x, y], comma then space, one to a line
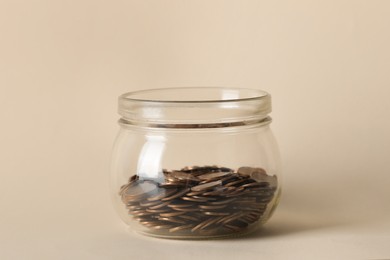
[189, 106]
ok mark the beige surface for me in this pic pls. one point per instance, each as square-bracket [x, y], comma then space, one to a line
[63, 64]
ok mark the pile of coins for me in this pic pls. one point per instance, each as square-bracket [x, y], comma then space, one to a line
[207, 200]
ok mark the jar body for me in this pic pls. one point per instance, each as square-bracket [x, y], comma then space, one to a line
[195, 182]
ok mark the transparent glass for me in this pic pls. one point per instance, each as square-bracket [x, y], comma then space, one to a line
[195, 163]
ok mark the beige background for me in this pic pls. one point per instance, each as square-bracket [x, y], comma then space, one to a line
[63, 64]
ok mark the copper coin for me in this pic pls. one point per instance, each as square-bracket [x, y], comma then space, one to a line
[214, 213]
[212, 207]
[178, 228]
[213, 176]
[173, 220]
[158, 206]
[172, 214]
[176, 195]
[206, 186]
[178, 175]
[192, 218]
[140, 190]
[163, 194]
[222, 202]
[185, 209]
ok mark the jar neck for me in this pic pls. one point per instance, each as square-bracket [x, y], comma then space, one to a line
[195, 108]
[264, 121]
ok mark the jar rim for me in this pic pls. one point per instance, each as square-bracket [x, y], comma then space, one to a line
[227, 94]
[189, 107]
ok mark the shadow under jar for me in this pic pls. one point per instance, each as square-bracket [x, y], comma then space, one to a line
[195, 163]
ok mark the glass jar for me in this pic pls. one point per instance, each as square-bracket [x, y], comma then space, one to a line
[193, 163]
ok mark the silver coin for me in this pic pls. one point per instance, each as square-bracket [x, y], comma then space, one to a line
[258, 173]
[245, 170]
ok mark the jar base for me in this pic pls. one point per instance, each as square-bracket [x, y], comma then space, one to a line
[164, 235]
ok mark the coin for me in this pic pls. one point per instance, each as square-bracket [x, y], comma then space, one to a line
[229, 184]
[245, 170]
[194, 199]
[162, 227]
[213, 176]
[255, 184]
[192, 218]
[141, 190]
[160, 205]
[215, 213]
[133, 178]
[182, 176]
[170, 185]
[176, 195]
[149, 203]
[179, 204]
[200, 225]
[207, 200]
[173, 220]
[140, 213]
[178, 228]
[185, 209]
[221, 202]
[171, 214]
[211, 207]
[163, 194]
[194, 193]
[158, 210]
[231, 217]
[206, 186]
[234, 228]
[258, 173]
[132, 207]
